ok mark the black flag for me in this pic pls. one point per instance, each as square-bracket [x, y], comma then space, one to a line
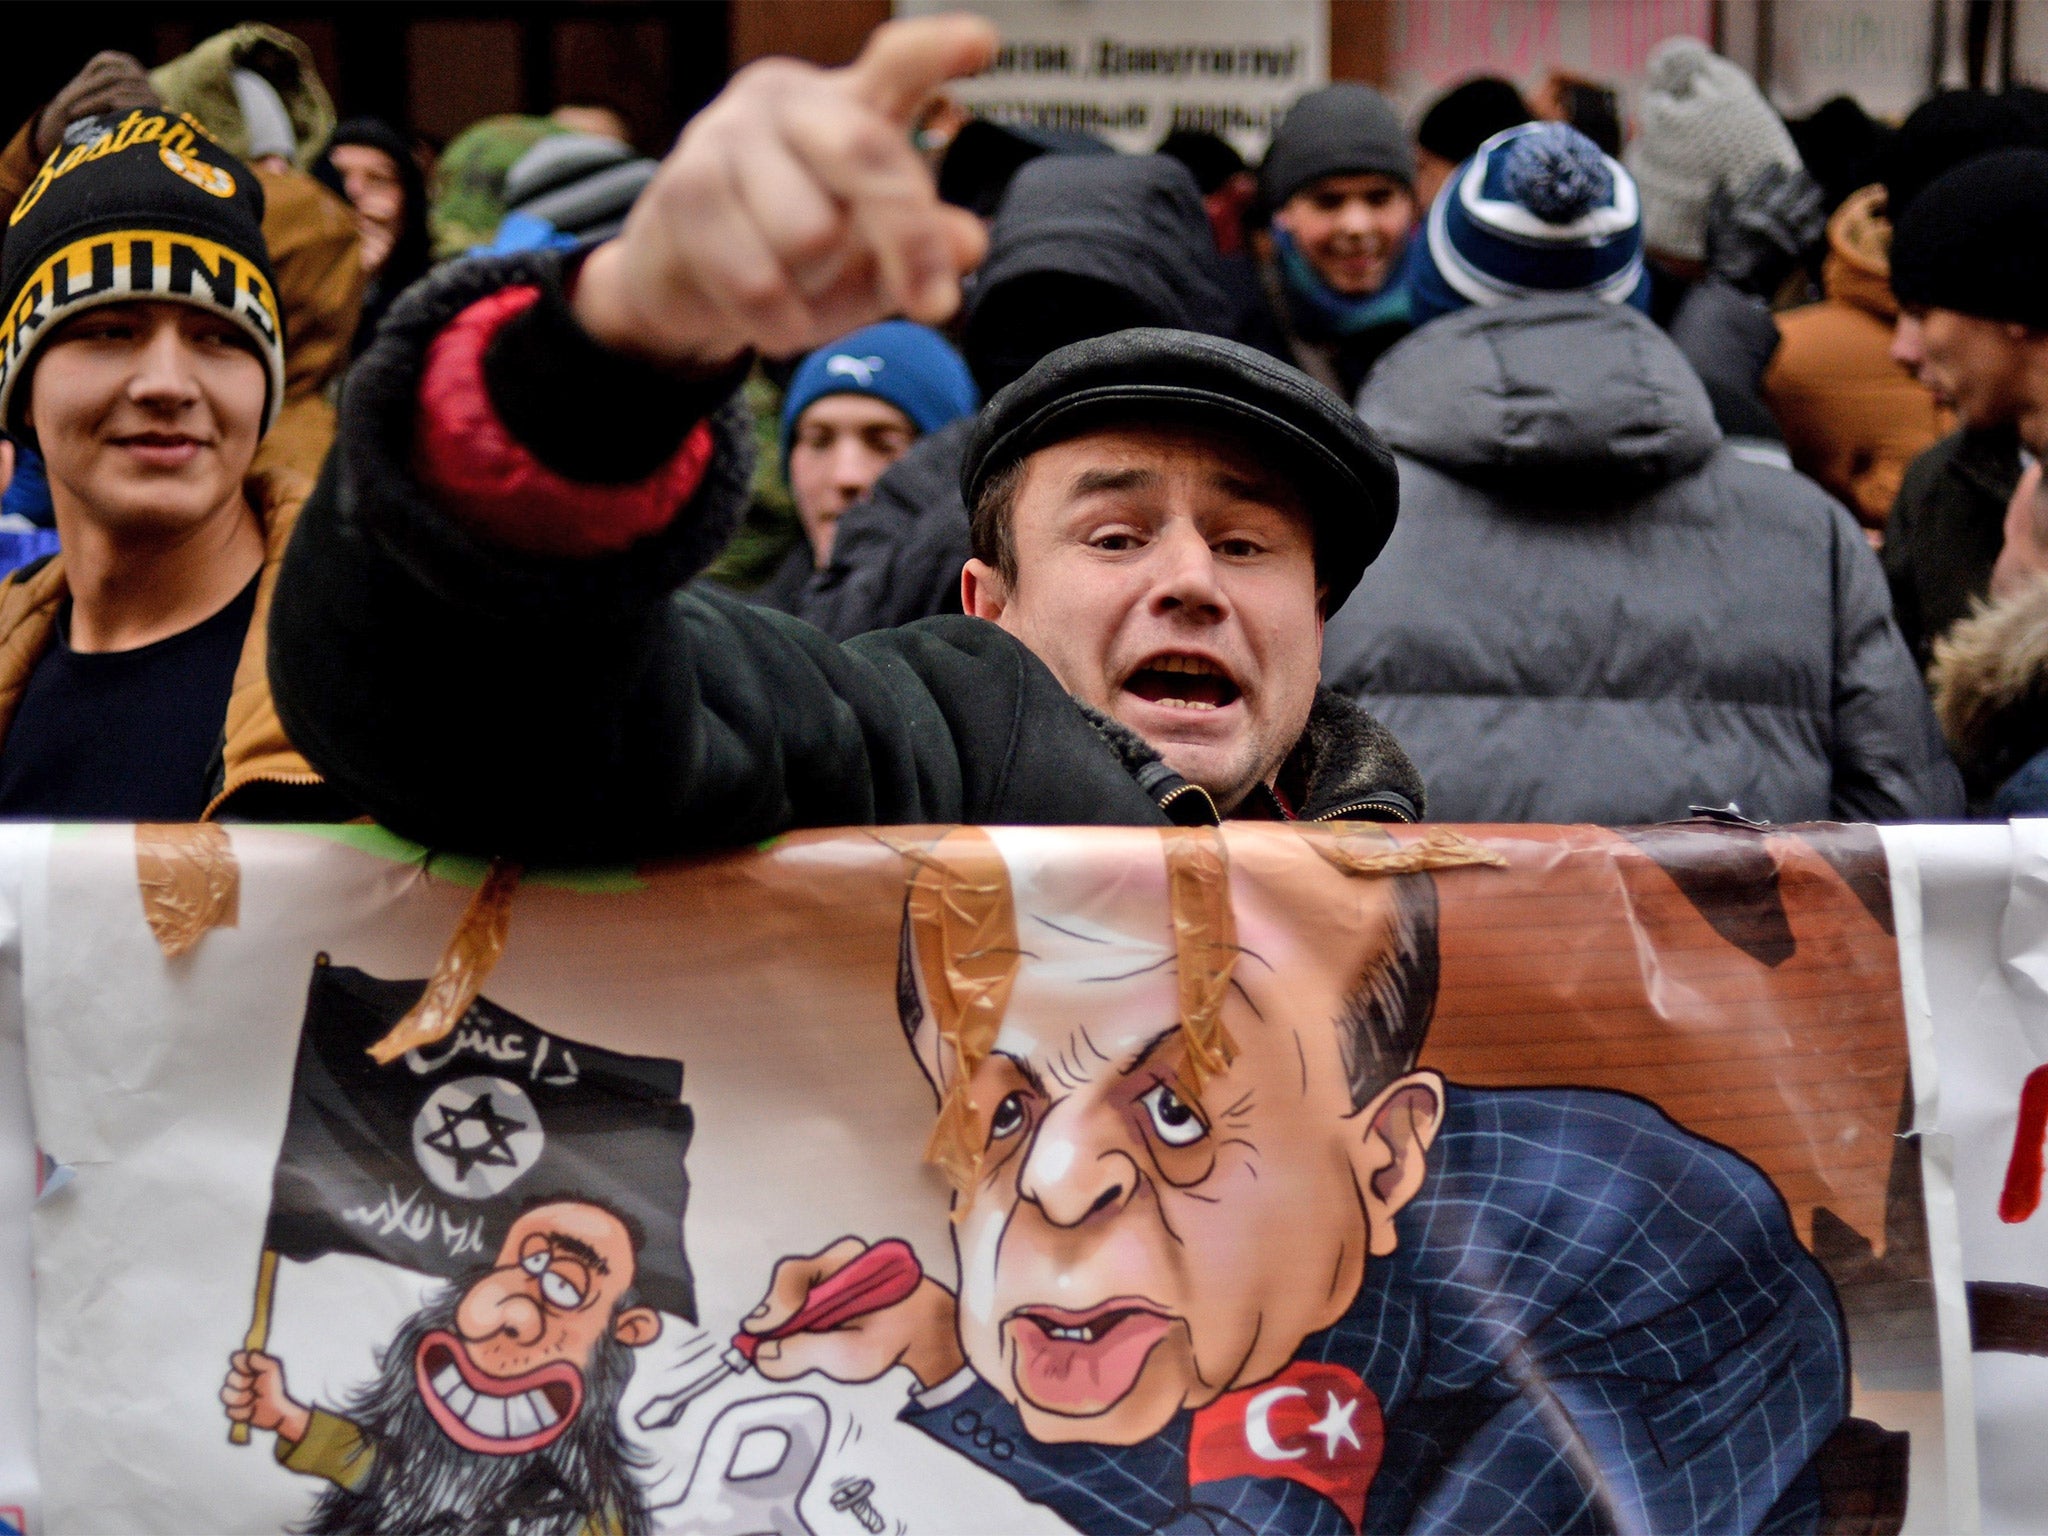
[426, 1162]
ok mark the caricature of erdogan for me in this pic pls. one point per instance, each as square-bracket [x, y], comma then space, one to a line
[1317, 1289]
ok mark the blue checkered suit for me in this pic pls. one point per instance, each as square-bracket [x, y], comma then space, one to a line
[1594, 1321]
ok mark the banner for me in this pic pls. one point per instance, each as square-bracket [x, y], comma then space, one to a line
[1132, 71]
[1434, 46]
[22, 1174]
[1270, 1179]
[1977, 973]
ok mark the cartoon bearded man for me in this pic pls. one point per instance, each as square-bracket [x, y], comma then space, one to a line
[496, 1406]
[1323, 1291]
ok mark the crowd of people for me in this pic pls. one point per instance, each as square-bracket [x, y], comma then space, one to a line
[860, 462]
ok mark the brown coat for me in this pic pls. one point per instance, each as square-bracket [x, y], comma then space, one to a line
[315, 256]
[254, 750]
[1853, 419]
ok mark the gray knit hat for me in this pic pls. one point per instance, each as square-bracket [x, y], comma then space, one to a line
[1704, 125]
[1345, 129]
[581, 183]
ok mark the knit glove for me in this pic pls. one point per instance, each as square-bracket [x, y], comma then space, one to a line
[1758, 234]
[112, 82]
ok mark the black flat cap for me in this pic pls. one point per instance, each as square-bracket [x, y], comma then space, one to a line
[1344, 472]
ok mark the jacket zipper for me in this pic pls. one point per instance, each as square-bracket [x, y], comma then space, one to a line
[293, 779]
[1387, 808]
[1191, 789]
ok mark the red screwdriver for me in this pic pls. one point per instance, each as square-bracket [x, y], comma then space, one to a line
[886, 1274]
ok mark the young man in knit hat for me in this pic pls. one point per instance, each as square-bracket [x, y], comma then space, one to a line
[1594, 609]
[536, 462]
[1967, 258]
[1339, 183]
[853, 408]
[141, 351]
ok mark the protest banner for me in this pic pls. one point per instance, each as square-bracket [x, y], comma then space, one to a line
[1976, 965]
[1308, 1178]
[1433, 47]
[21, 1176]
[1132, 71]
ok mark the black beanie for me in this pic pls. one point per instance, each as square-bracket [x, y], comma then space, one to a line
[1941, 133]
[1345, 129]
[1976, 240]
[146, 208]
[1467, 115]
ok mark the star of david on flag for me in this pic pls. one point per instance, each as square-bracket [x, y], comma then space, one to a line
[424, 1163]
[1315, 1424]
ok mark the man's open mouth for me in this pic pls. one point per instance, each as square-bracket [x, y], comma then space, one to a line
[1082, 1363]
[494, 1415]
[1183, 682]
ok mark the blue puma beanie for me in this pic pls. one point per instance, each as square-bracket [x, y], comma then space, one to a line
[908, 365]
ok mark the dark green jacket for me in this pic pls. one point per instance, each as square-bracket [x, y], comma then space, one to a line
[559, 710]
[1945, 531]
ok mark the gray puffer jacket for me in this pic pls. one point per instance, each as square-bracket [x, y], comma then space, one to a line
[1593, 610]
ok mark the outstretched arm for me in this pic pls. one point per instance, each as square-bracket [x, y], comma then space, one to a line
[478, 631]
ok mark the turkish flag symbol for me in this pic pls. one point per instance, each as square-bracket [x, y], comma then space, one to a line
[1317, 1424]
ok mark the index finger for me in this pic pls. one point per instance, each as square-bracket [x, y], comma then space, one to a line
[905, 61]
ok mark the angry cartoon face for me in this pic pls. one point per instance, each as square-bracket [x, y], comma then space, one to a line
[1130, 1247]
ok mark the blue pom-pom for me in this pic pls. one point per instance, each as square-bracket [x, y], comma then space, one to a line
[1557, 173]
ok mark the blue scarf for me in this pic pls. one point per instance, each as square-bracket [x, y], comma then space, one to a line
[1340, 314]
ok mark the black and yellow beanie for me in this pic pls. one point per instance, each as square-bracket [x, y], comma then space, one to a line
[146, 207]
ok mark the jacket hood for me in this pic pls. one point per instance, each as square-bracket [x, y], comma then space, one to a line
[1858, 269]
[1990, 680]
[202, 82]
[1562, 396]
[1135, 223]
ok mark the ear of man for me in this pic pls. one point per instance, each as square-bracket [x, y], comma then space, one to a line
[983, 593]
[1389, 1141]
[636, 1326]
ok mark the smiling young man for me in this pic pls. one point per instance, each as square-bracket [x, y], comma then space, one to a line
[1340, 181]
[1161, 520]
[141, 353]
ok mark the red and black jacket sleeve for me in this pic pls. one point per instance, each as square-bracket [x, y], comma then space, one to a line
[485, 631]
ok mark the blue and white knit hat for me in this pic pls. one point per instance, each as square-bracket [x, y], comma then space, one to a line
[1537, 210]
[908, 365]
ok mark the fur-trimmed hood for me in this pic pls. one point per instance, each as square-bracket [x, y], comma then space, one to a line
[1990, 680]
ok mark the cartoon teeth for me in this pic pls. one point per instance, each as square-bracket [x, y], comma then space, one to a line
[497, 1418]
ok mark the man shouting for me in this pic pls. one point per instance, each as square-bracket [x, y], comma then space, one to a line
[535, 459]
[497, 1403]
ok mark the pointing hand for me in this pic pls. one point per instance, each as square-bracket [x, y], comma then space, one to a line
[794, 209]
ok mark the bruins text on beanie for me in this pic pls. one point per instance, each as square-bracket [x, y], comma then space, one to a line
[1345, 129]
[143, 208]
[1975, 240]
